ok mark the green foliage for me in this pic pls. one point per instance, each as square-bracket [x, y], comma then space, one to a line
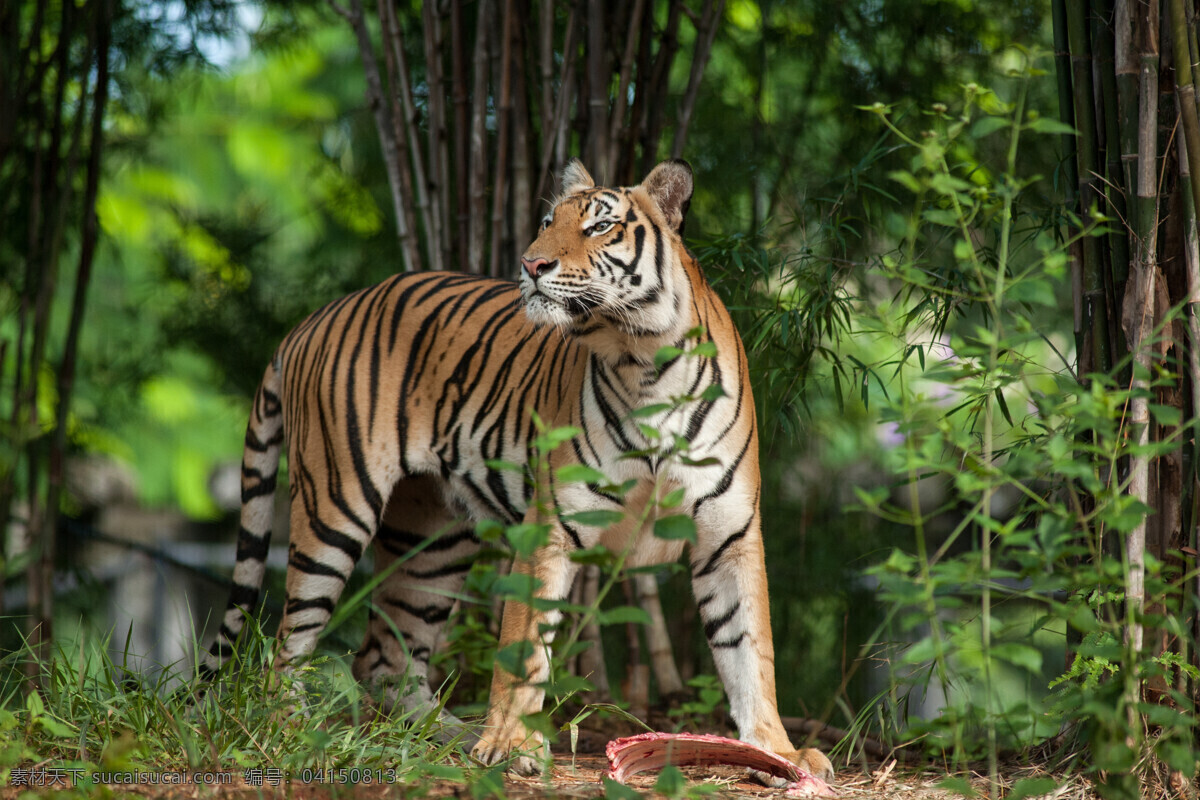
[983, 406]
[90, 715]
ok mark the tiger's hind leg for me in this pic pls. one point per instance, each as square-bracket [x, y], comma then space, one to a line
[415, 597]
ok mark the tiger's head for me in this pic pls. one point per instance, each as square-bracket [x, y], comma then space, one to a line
[611, 260]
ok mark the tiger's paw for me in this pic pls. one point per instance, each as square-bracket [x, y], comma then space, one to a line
[495, 747]
[812, 761]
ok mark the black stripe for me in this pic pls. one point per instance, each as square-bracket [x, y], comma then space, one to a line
[452, 568]
[309, 566]
[730, 642]
[399, 542]
[252, 546]
[335, 538]
[571, 532]
[241, 596]
[713, 625]
[430, 614]
[264, 487]
[726, 479]
[295, 605]
[711, 564]
[258, 445]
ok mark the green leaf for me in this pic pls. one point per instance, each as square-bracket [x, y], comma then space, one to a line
[599, 556]
[676, 526]
[554, 437]
[1051, 125]
[597, 518]
[670, 781]
[500, 465]
[650, 410]
[1003, 405]
[666, 354]
[518, 585]
[710, 461]
[511, 658]
[959, 786]
[714, 392]
[653, 434]
[905, 179]
[1031, 787]
[705, 350]
[527, 537]
[988, 125]
[489, 530]
[1165, 415]
[671, 499]
[579, 473]
[620, 614]
[619, 791]
[1021, 655]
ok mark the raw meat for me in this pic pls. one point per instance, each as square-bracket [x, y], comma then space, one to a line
[652, 751]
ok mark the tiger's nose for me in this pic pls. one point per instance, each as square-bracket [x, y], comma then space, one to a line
[534, 265]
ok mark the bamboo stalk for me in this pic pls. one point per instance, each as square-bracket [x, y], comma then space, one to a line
[1095, 316]
[439, 149]
[1066, 113]
[706, 31]
[461, 135]
[1139, 323]
[1185, 89]
[477, 214]
[503, 126]
[621, 101]
[1115, 256]
[546, 61]
[1125, 59]
[523, 200]
[384, 129]
[596, 148]
[554, 137]
[659, 85]
[408, 135]
[1189, 163]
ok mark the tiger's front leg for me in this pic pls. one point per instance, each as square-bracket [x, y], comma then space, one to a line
[730, 583]
[512, 696]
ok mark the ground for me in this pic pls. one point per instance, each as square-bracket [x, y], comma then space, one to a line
[582, 778]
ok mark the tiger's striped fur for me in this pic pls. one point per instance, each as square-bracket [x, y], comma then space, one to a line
[392, 400]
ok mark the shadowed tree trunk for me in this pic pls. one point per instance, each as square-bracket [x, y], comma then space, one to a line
[50, 163]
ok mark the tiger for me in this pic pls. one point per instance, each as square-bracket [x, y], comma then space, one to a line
[398, 404]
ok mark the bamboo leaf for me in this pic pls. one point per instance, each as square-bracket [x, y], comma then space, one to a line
[1050, 125]
[1003, 405]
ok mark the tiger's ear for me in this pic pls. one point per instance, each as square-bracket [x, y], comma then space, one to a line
[670, 185]
[575, 177]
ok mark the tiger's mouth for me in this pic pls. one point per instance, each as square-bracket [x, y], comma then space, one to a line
[545, 307]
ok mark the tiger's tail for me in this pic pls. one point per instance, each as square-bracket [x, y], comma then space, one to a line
[260, 467]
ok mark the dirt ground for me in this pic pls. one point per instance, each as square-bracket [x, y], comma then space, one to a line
[580, 777]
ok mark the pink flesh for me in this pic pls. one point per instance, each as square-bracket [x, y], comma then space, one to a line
[651, 751]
